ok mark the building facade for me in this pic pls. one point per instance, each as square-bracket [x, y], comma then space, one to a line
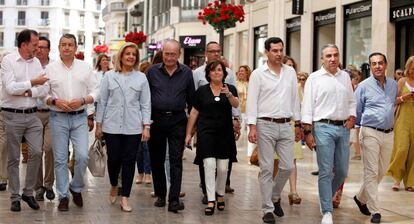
[51, 18]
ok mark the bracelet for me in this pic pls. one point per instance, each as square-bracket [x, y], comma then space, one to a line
[54, 102]
[229, 94]
[83, 101]
[307, 132]
[147, 127]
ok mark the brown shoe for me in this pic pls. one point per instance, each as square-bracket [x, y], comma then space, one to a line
[63, 205]
[229, 189]
[77, 198]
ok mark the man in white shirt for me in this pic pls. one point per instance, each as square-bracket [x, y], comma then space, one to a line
[328, 113]
[213, 53]
[272, 101]
[45, 185]
[72, 85]
[22, 85]
[3, 148]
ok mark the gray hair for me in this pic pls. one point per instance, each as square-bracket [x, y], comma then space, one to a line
[328, 46]
[173, 41]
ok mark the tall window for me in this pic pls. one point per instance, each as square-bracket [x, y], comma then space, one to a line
[15, 39]
[1, 39]
[324, 32]
[66, 19]
[21, 18]
[21, 2]
[44, 16]
[1, 2]
[82, 20]
[243, 48]
[260, 36]
[81, 39]
[1, 17]
[293, 39]
[45, 2]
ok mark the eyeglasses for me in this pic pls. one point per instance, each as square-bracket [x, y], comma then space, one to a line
[43, 47]
[301, 79]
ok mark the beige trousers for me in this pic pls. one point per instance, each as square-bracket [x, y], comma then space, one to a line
[3, 152]
[49, 174]
[376, 155]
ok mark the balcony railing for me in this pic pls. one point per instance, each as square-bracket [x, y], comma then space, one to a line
[44, 22]
[45, 2]
[21, 22]
[21, 2]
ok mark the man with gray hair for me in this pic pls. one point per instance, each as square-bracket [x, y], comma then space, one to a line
[328, 113]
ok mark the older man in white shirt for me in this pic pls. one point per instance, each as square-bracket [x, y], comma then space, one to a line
[72, 85]
[272, 102]
[22, 85]
[328, 113]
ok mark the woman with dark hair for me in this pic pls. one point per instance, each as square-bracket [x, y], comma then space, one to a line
[215, 137]
[102, 65]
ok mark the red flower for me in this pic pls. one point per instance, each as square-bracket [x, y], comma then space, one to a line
[137, 38]
[80, 55]
[221, 15]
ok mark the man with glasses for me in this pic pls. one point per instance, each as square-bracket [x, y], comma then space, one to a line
[43, 113]
[172, 87]
[213, 53]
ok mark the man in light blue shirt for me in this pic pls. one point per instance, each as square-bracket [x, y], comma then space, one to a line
[375, 98]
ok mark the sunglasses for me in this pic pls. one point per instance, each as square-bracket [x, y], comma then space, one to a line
[302, 79]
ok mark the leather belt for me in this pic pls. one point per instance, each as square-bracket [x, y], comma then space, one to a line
[43, 110]
[334, 122]
[382, 130]
[72, 112]
[167, 113]
[19, 111]
[276, 120]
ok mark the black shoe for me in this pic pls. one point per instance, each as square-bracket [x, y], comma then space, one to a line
[30, 200]
[229, 189]
[210, 210]
[15, 206]
[160, 202]
[362, 207]
[315, 173]
[3, 186]
[63, 204]
[278, 210]
[204, 200]
[269, 218]
[175, 206]
[376, 218]
[39, 194]
[50, 194]
[77, 198]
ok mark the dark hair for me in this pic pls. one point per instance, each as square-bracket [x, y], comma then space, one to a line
[45, 39]
[25, 36]
[376, 54]
[98, 61]
[68, 36]
[157, 58]
[288, 58]
[210, 43]
[272, 40]
[211, 66]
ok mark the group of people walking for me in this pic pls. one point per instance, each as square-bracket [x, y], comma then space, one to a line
[164, 106]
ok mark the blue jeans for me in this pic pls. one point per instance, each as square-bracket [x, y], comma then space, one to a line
[65, 127]
[143, 160]
[332, 151]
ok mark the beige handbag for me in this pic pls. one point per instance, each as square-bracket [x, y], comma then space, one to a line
[97, 159]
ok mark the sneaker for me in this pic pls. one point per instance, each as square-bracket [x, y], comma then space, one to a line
[327, 218]
[40, 194]
[269, 218]
[362, 207]
[50, 194]
[278, 209]
[376, 218]
[63, 205]
[30, 200]
[175, 206]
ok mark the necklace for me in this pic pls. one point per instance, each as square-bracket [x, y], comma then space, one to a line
[216, 98]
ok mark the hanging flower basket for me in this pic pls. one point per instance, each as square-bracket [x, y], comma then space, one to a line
[101, 49]
[221, 16]
[136, 37]
[79, 55]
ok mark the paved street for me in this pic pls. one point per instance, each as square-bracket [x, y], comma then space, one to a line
[242, 207]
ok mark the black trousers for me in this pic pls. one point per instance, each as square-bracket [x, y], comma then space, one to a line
[202, 176]
[171, 128]
[122, 153]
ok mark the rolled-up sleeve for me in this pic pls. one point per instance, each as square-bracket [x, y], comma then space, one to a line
[145, 103]
[252, 98]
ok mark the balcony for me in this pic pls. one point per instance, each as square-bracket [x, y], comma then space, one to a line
[1, 22]
[1, 2]
[21, 22]
[21, 2]
[45, 2]
[44, 22]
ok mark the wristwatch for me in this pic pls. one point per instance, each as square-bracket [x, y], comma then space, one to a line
[54, 102]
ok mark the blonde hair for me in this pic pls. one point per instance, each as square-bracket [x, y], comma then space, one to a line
[248, 71]
[408, 64]
[305, 74]
[118, 59]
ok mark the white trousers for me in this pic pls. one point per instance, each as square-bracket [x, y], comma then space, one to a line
[214, 184]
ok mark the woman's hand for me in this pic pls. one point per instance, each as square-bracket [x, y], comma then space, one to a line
[145, 135]
[225, 89]
[98, 131]
[188, 139]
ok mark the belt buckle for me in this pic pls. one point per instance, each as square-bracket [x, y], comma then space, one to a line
[168, 113]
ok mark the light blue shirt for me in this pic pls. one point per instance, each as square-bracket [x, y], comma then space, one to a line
[376, 105]
[124, 104]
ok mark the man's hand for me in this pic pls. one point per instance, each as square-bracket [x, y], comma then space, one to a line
[28, 93]
[236, 129]
[90, 122]
[63, 105]
[350, 123]
[40, 80]
[298, 134]
[75, 104]
[252, 134]
[310, 141]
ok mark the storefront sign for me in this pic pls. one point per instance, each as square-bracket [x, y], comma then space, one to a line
[402, 13]
[193, 41]
[293, 24]
[154, 46]
[358, 10]
[325, 17]
[297, 7]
